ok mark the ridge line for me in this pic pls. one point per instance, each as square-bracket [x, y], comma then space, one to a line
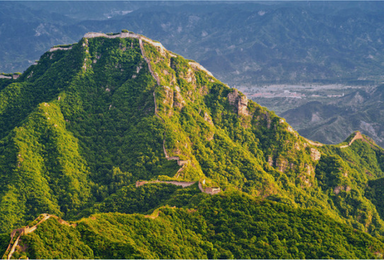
[155, 76]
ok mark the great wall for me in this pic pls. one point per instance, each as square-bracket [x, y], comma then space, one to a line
[60, 48]
[13, 244]
[208, 190]
[10, 76]
[162, 50]
[358, 136]
[156, 77]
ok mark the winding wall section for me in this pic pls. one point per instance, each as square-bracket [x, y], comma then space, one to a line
[156, 77]
[24, 231]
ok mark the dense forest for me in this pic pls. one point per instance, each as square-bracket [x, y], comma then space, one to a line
[89, 120]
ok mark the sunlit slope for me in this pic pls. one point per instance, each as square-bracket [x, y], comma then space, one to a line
[81, 127]
[231, 225]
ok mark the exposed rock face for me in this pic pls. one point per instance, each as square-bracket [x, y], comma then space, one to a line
[270, 160]
[315, 154]
[290, 129]
[240, 102]
[242, 105]
[178, 99]
[309, 168]
[210, 136]
[168, 99]
[168, 96]
[208, 118]
[337, 189]
[282, 164]
[232, 97]
[190, 76]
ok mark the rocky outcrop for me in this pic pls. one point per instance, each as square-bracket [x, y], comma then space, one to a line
[290, 129]
[239, 101]
[309, 168]
[315, 154]
[178, 99]
[189, 76]
[282, 164]
[168, 99]
[207, 118]
[337, 189]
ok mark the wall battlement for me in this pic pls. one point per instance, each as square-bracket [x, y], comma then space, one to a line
[125, 35]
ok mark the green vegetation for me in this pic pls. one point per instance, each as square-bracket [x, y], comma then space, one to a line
[78, 130]
[143, 199]
[231, 225]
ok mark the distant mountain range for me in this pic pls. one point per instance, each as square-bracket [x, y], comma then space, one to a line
[331, 122]
[241, 43]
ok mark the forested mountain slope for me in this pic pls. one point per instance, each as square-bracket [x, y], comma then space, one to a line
[81, 127]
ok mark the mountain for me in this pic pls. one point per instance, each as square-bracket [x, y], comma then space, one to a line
[21, 25]
[332, 121]
[245, 44]
[97, 137]
[230, 226]
[240, 43]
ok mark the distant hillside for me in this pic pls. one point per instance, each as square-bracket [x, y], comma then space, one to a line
[331, 122]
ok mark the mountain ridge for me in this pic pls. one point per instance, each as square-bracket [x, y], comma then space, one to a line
[237, 57]
[97, 118]
[331, 121]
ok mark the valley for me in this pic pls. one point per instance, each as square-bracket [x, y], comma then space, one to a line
[281, 98]
[326, 113]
